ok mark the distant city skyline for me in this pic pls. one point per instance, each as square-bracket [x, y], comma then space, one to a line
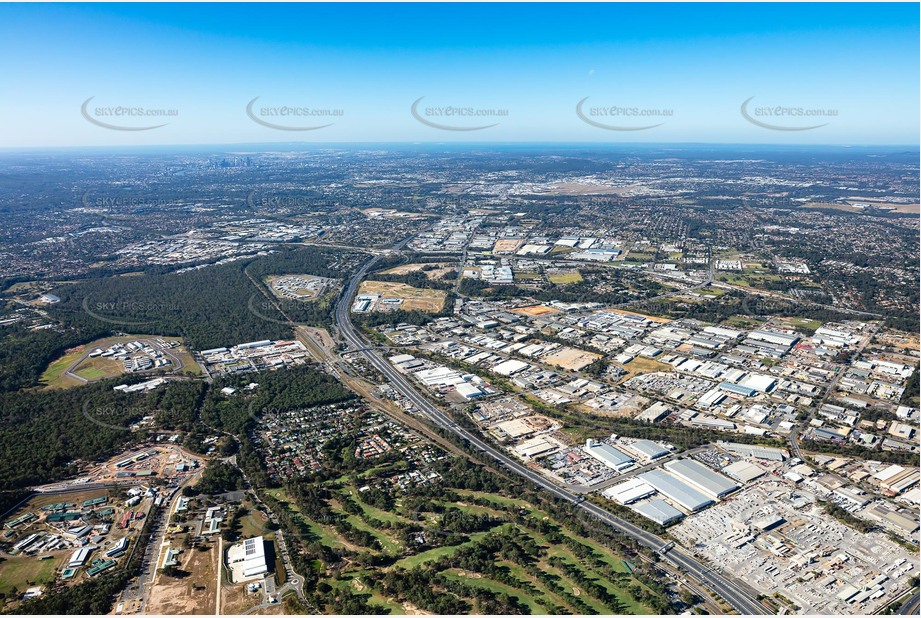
[797, 74]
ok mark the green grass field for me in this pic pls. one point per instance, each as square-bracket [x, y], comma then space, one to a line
[390, 545]
[564, 278]
[639, 257]
[805, 324]
[23, 572]
[53, 376]
[494, 498]
[322, 533]
[371, 511]
[478, 581]
[738, 321]
[749, 280]
[433, 554]
[94, 373]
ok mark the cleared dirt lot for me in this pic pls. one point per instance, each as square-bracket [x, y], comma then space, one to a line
[195, 593]
[536, 310]
[413, 298]
[236, 600]
[507, 245]
[571, 359]
[640, 365]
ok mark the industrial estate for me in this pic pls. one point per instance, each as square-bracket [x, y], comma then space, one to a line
[515, 399]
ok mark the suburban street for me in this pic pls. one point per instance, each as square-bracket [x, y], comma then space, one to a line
[135, 596]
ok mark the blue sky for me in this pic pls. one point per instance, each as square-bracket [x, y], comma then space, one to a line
[690, 65]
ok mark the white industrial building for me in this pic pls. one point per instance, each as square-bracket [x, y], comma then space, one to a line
[759, 382]
[676, 490]
[79, 557]
[510, 367]
[702, 478]
[608, 455]
[754, 451]
[468, 391]
[648, 449]
[659, 511]
[535, 447]
[247, 559]
[654, 413]
[743, 471]
[774, 337]
[628, 491]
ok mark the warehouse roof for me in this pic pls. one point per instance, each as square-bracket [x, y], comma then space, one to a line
[676, 490]
[648, 448]
[743, 471]
[713, 484]
[759, 382]
[608, 455]
[738, 389]
[767, 453]
[509, 367]
[247, 559]
[628, 491]
[659, 511]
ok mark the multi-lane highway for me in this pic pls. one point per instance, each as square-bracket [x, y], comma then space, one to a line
[739, 598]
[911, 606]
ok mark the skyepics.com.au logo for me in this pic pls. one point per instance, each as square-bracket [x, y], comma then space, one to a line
[760, 305]
[272, 310]
[126, 312]
[283, 117]
[779, 117]
[125, 117]
[621, 118]
[268, 205]
[91, 199]
[452, 118]
[770, 201]
[113, 416]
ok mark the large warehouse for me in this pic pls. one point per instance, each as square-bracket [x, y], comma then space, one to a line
[659, 511]
[766, 453]
[774, 337]
[648, 449]
[608, 455]
[743, 471]
[701, 477]
[629, 491]
[759, 382]
[509, 367]
[676, 490]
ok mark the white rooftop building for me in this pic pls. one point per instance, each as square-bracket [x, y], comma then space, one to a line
[247, 559]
